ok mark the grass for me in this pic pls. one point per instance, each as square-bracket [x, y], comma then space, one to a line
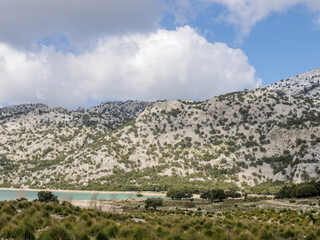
[232, 219]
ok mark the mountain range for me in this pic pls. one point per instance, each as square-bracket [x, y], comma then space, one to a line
[270, 134]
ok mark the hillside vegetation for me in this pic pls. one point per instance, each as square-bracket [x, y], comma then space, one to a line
[40, 220]
[234, 140]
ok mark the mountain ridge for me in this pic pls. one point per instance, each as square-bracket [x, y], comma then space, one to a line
[304, 85]
[243, 138]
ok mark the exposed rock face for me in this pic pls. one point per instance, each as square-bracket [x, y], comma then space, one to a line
[244, 137]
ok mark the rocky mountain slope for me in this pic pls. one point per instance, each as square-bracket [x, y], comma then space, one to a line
[303, 85]
[105, 117]
[243, 138]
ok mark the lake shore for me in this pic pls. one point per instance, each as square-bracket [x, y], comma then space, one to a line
[144, 193]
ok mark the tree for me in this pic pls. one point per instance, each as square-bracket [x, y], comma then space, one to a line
[306, 190]
[218, 194]
[153, 202]
[214, 194]
[233, 194]
[286, 192]
[205, 195]
[47, 196]
[178, 193]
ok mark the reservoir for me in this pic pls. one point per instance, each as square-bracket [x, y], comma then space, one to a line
[32, 195]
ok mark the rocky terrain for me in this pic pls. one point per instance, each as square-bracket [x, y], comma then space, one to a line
[245, 138]
[105, 117]
[303, 85]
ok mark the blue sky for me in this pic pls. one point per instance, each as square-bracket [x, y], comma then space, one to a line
[72, 54]
[279, 46]
[284, 45]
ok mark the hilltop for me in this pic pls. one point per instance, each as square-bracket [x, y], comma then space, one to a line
[303, 85]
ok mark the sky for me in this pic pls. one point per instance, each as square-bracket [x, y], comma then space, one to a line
[78, 53]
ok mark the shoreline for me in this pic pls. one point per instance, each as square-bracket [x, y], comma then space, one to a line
[144, 193]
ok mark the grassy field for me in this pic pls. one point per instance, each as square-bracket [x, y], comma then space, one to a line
[253, 218]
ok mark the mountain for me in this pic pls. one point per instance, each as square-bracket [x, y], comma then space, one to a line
[303, 85]
[242, 138]
[105, 117]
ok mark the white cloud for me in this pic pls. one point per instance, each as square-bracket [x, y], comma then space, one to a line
[76, 25]
[24, 23]
[245, 13]
[166, 64]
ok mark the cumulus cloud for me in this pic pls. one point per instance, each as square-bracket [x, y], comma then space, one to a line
[24, 23]
[177, 64]
[243, 13]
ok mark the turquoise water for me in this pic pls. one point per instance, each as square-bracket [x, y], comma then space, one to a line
[31, 195]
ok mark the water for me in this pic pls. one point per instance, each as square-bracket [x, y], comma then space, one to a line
[31, 195]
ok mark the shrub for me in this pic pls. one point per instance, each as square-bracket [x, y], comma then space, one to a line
[266, 235]
[310, 189]
[112, 231]
[139, 194]
[311, 236]
[244, 236]
[189, 205]
[8, 209]
[233, 194]
[46, 196]
[56, 233]
[305, 190]
[84, 236]
[140, 233]
[178, 193]
[153, 202]
[214, 194]
[102, 236]
[28, 234]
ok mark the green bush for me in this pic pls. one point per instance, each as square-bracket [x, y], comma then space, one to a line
[102, 236]
[240, 223]
[178, 193]
[84, 236]
[214, 194]
[302, 190]
[28, 234]
[305, 190]
[56, 233]
[153, 202]
[47, 196]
